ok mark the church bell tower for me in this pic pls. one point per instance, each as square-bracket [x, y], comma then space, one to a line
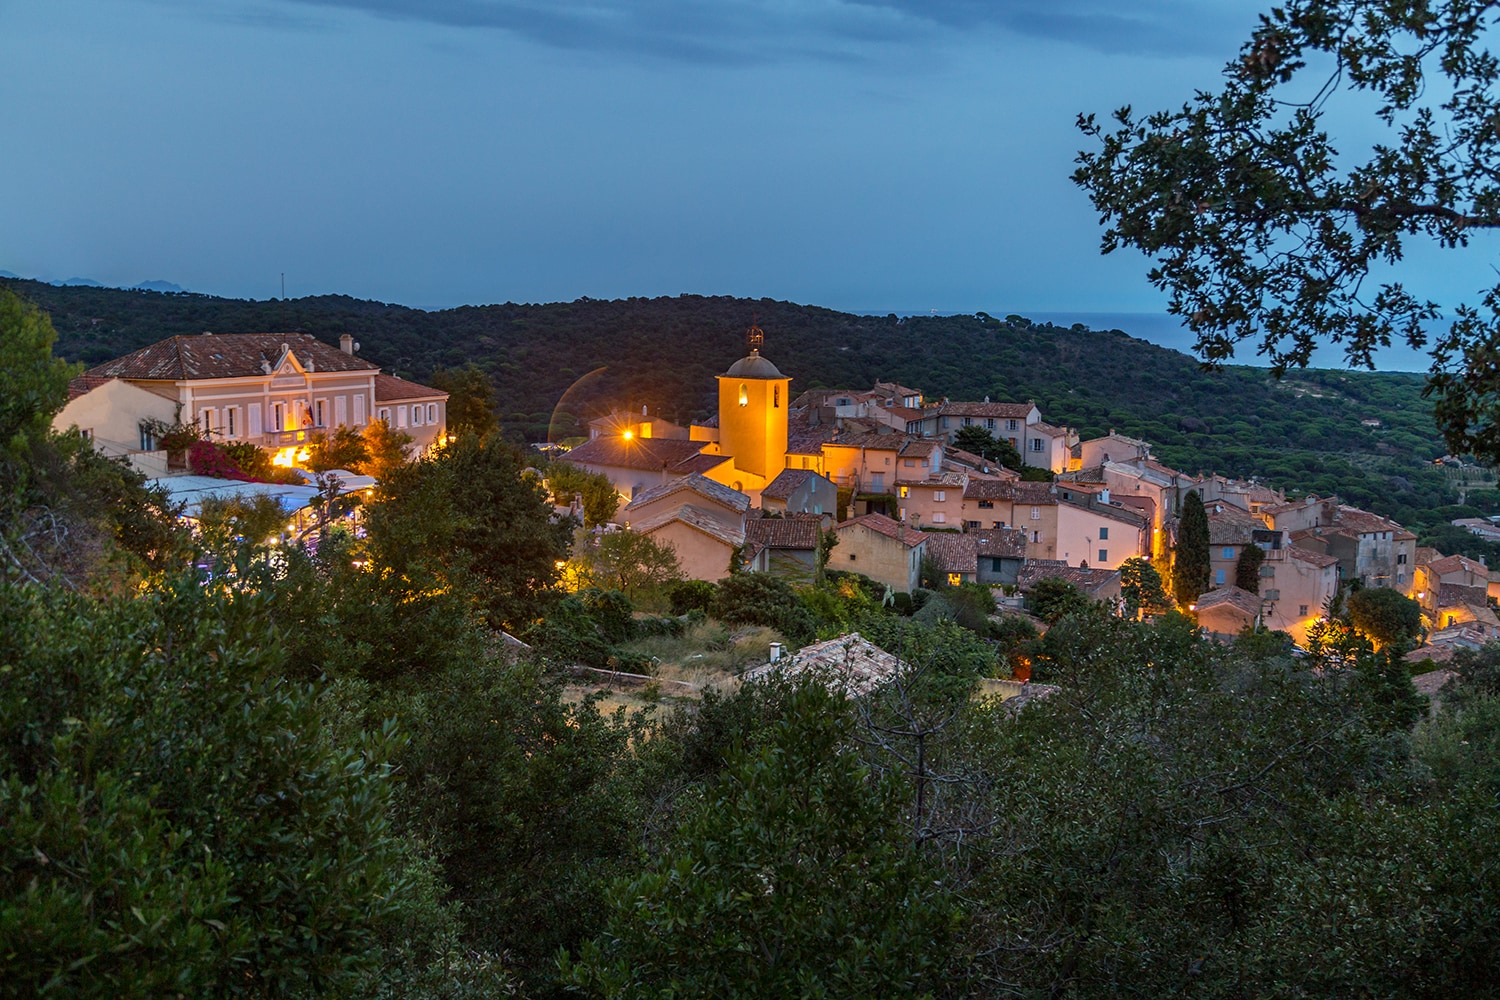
[753, 400]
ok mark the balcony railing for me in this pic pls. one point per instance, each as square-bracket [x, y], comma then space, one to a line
[285, 439]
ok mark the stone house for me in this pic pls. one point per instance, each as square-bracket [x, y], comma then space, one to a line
[784, 546]
[882, 549]
[800, 491]
[701, 520]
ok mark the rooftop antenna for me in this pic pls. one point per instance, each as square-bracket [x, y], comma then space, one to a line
[283, 286]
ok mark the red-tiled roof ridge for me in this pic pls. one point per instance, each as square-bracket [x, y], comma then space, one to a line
[890, 528]
[226, 355]
[702, 485]
[389, 389]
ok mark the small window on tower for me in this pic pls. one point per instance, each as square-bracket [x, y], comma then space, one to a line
[744, 395]
[776, 395]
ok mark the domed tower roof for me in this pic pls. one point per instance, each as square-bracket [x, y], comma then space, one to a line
[753, 366]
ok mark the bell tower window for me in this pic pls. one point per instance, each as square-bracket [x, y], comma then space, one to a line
[776, 395]
[744, 394]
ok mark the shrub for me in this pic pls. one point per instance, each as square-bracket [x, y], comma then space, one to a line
[758, 599]
[690, 595]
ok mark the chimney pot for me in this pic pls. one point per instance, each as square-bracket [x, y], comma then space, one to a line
[346, 344]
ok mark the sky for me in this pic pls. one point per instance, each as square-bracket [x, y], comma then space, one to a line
[865, 155]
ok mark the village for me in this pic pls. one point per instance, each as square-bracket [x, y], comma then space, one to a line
[876, 482]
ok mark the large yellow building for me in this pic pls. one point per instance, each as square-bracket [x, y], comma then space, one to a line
[752, 431]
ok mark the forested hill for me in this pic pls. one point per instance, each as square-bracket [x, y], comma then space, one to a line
[1303, 432]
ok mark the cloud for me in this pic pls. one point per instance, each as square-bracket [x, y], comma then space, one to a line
[739, 31]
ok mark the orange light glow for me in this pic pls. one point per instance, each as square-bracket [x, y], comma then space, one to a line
[629, 435]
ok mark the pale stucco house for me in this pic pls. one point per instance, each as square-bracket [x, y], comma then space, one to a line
[701, 520]
[272, 390]
[882, 549]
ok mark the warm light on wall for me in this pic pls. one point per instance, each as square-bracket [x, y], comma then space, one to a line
[744, 394]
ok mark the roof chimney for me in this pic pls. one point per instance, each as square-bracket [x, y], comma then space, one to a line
[346, 343]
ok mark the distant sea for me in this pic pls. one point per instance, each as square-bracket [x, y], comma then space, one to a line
[1166, 331]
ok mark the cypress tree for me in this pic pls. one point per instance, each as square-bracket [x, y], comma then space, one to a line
[1247, 570]
[1190, 566]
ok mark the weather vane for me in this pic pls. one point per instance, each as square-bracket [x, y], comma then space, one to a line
[754, 336]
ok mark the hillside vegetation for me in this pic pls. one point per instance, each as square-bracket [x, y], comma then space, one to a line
[1304, 432]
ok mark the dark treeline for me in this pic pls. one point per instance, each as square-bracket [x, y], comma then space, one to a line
[1304, 433]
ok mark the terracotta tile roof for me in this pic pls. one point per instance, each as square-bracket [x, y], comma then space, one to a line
[389, 389]
[1362, 522]
[1319, 559]
[895, 389]
[229, 355]
[1231, 596]
[783, 532]
[878, 440]
[85, 384]
[849, 663]
[915, 447]
[907, 413]
[803, 439]
[701, 485]
[694, 517]
[1012, 411]
[967, 459]
[652, 454]
[882, 525]
[787, 482]
[699, 464]
[1015, 490]
[1454, 595]
[1090, 581]
[1001, 543]
[1229, 525]
[938, 480]
[1457, 564]
[954, 553]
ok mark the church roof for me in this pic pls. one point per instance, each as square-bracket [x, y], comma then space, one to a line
[654, 454]
[753, 366]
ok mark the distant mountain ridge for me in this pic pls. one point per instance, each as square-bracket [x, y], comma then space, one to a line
[157, 285]
[557, 364]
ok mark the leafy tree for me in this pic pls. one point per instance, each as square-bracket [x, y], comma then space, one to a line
[531, 804]
[1259, 229]
[981, 442]
[67, 513]
[385, 450]
[600, 498]
[465, 513]
[1174, 837]
[472, 403]
[175, 818]
[792, 875]
[1142, 589]
[636, 565]
[33, 384]
[1247, 568]
[1386, 616]
[345, 448]
[1191, 569]
[1052, 599]
[253, 519]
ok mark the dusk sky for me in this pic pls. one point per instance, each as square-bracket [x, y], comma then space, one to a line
[868, 155]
